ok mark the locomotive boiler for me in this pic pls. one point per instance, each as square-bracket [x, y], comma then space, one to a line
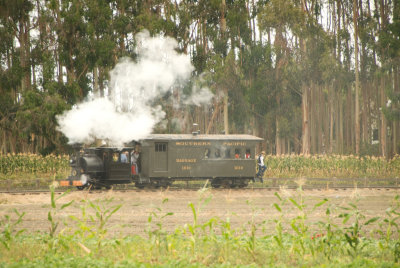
[161, 159]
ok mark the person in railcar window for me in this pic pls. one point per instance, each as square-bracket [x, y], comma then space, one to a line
[248, 154]
[237, 153]
[217, 153]
[207, 153]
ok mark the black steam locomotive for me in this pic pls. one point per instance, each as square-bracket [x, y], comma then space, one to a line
[161, 159]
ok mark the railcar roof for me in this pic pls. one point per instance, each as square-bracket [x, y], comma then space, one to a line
[202, 137]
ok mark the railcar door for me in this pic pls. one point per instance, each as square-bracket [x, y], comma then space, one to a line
[161, 157]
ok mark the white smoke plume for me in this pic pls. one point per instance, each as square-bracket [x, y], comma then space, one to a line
[199, 96]
[130, 114]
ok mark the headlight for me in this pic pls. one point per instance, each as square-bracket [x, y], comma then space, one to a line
[74, 172]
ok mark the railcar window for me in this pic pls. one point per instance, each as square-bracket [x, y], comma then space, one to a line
[248, 154]
[160, 147]
[207, 153]
[237, 153]
[228, 153]
[217, 153]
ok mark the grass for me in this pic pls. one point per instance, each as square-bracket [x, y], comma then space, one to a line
[343, 237]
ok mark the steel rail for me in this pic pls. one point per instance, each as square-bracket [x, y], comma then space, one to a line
[178, 189]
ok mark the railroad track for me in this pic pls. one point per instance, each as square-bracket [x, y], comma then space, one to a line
[38, 186]
[179, 189]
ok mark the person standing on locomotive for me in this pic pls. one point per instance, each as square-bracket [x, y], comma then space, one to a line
[134, 161]
[261, 166]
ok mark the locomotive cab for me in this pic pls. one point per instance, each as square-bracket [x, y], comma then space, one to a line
[102, 167]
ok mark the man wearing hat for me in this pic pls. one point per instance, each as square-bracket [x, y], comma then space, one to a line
[261, 166]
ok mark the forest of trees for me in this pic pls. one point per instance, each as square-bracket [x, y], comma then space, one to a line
[308, 76]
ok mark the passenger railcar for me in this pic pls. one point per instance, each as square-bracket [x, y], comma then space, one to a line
[160, 159]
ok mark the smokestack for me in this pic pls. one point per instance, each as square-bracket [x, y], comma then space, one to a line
[195, 129]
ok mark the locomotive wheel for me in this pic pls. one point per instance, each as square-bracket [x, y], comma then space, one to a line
[80, 188]
[97, 187]
[139, 185]
[161, 184]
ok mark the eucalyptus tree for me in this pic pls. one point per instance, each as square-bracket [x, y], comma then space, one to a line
[389, 52]
[285, 19]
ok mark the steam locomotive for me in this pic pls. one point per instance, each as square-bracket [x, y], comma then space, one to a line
[161, 159]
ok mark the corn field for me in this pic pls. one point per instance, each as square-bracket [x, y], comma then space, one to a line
[12, 165]
[329, 166]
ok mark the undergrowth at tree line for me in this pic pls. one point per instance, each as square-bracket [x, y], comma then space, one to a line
[343, 236]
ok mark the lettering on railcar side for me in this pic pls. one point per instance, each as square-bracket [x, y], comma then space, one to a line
[238, 167]
[186, 167]
[186, 160]
[193, 143]
[234, 143]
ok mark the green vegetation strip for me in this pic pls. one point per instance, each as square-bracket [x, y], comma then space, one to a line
[357, 240]
[33, 171]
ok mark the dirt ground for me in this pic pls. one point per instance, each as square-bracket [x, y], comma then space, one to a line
[239, 206]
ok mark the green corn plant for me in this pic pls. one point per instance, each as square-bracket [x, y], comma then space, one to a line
[52, 240]
[278, 236]
[329, 235]
[389, 228]
[9, 229]
[55, 209]
[103, 211]
[158, 236]
[298, 224]
[92, 224]
[354, 233]
[250, 237]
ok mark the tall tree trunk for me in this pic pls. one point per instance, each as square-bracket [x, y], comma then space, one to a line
[305, 120]
[357, 85]
[223, 30]
[383, 125]
[313, 118]
[305, 98]
[24, 41]
[396, 133]
[278, 142]
[226, 112]
[383, 119]
[332, 118]
[96, 80]
[341, 124]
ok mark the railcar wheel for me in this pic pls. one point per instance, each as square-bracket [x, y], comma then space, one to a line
[227, 183]
[80, 188]
[215, 183]
[243, 183]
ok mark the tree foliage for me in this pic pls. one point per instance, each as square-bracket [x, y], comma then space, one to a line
[282, 69]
